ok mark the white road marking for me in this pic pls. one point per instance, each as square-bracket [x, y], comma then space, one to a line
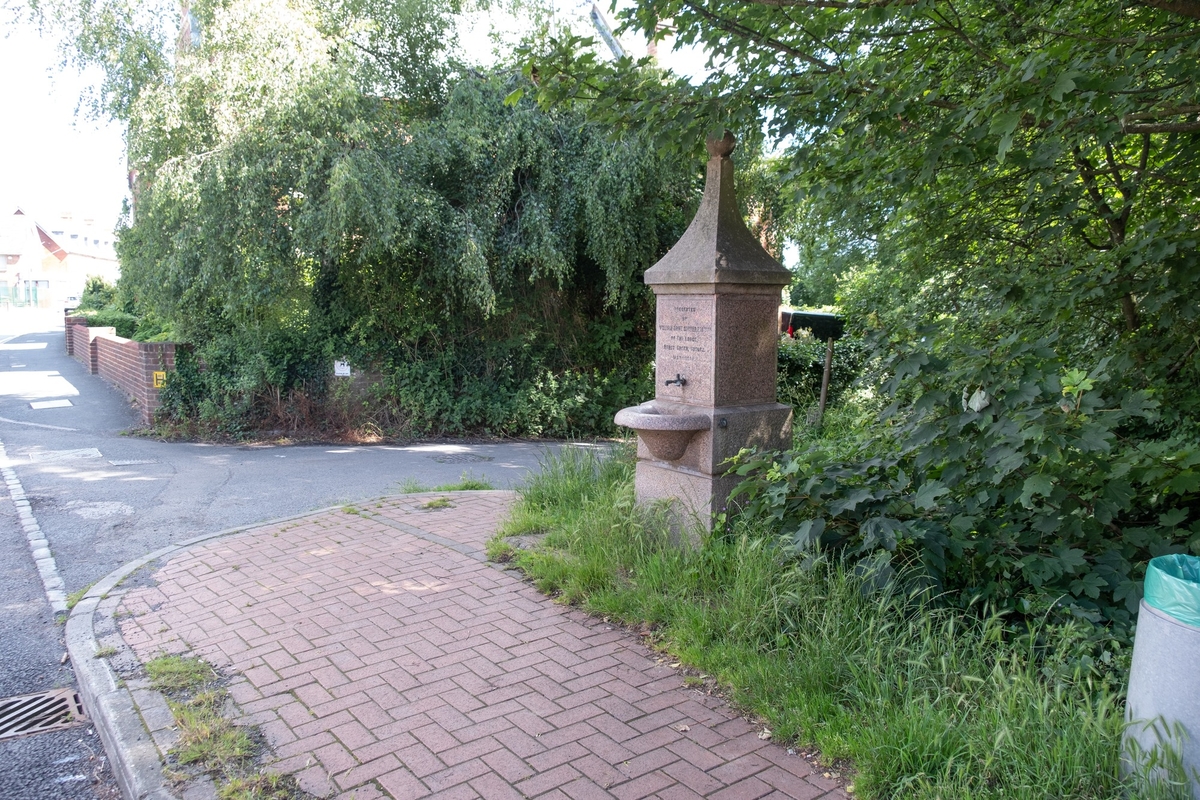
[98, 510]
[36, 425]
[38, 384]
[38, 546]
[44, 456]
[39, 404]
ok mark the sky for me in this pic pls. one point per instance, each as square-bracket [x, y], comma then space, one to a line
[52, 161]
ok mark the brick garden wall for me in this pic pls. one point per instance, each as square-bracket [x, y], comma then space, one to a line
[128, 364]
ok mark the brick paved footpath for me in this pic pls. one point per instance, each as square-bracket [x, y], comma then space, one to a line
[383, 657]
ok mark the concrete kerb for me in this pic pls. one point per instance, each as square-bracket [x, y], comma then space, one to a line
[136, 759]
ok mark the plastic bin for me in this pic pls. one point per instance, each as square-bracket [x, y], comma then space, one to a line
[1163, 705]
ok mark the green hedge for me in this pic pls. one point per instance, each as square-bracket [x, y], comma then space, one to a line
[126, 324]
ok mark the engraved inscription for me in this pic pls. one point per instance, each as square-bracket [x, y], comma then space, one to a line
[680, 336]
[686, 341]
[685, 346]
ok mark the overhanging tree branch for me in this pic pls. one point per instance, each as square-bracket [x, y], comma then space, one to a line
[1187, 8]
[1087, 172]
[1158, 114]
[834, 4]
[1161, 127]
[737, 29]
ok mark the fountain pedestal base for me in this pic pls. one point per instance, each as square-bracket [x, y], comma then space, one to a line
[694, 485]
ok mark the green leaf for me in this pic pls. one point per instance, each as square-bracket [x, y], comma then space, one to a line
[1173, 517]
[1095, 438]
[879, 532]
[1071, 558]
[1035, 485]
[1005, 125]
[926, 496]
[1139, 404]
[805, 535]
[1187, 482]
[1003, 147]
[849, 501]
[1004, 459]
[1118, 493]
[1130, 593]
[1065, 83]
[1089, 584]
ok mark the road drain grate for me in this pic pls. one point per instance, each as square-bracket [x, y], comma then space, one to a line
[460, 458]
[36, 713]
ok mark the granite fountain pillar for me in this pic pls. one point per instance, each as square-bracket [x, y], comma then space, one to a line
[717, 337]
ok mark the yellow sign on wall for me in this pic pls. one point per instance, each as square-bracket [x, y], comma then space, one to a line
[160, 380]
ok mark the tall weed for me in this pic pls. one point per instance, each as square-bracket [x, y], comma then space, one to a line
[925, 699]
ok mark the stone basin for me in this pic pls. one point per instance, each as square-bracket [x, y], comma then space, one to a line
[665, 431]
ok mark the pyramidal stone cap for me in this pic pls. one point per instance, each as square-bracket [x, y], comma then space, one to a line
[718, 247]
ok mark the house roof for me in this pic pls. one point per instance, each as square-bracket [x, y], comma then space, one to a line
[17, 231]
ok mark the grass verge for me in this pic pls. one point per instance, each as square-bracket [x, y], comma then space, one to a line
[922, 700]
[466, 483]
[74, 597]
[260, 787]
[411, 486]
[172, 673]
[208, 740]
[206, 737]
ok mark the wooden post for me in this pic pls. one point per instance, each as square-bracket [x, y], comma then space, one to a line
[825, 380]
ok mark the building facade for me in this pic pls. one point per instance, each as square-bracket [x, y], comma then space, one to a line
[46, 266]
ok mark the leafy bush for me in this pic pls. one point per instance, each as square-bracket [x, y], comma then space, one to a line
[105, 305]
[151, 328]
[125, 323]
[1010, 476]
[477, 257]
[802, 366]
[97, 294]
[1023, 243]
[479, 294]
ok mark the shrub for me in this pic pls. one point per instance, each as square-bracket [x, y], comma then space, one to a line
[802, 366]
[1008, 475]
[126, 324]
[489, 285]
[97, 294]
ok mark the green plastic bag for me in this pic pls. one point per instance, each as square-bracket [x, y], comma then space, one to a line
[1173, 587]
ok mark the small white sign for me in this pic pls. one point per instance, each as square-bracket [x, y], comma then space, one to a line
[341, 369]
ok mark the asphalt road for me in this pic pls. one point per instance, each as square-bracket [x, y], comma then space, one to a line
[102, 498]
[60, 764]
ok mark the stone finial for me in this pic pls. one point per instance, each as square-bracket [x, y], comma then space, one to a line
[717, 247]
[721, 148]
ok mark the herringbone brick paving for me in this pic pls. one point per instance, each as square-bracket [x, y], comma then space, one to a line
[383, 657]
